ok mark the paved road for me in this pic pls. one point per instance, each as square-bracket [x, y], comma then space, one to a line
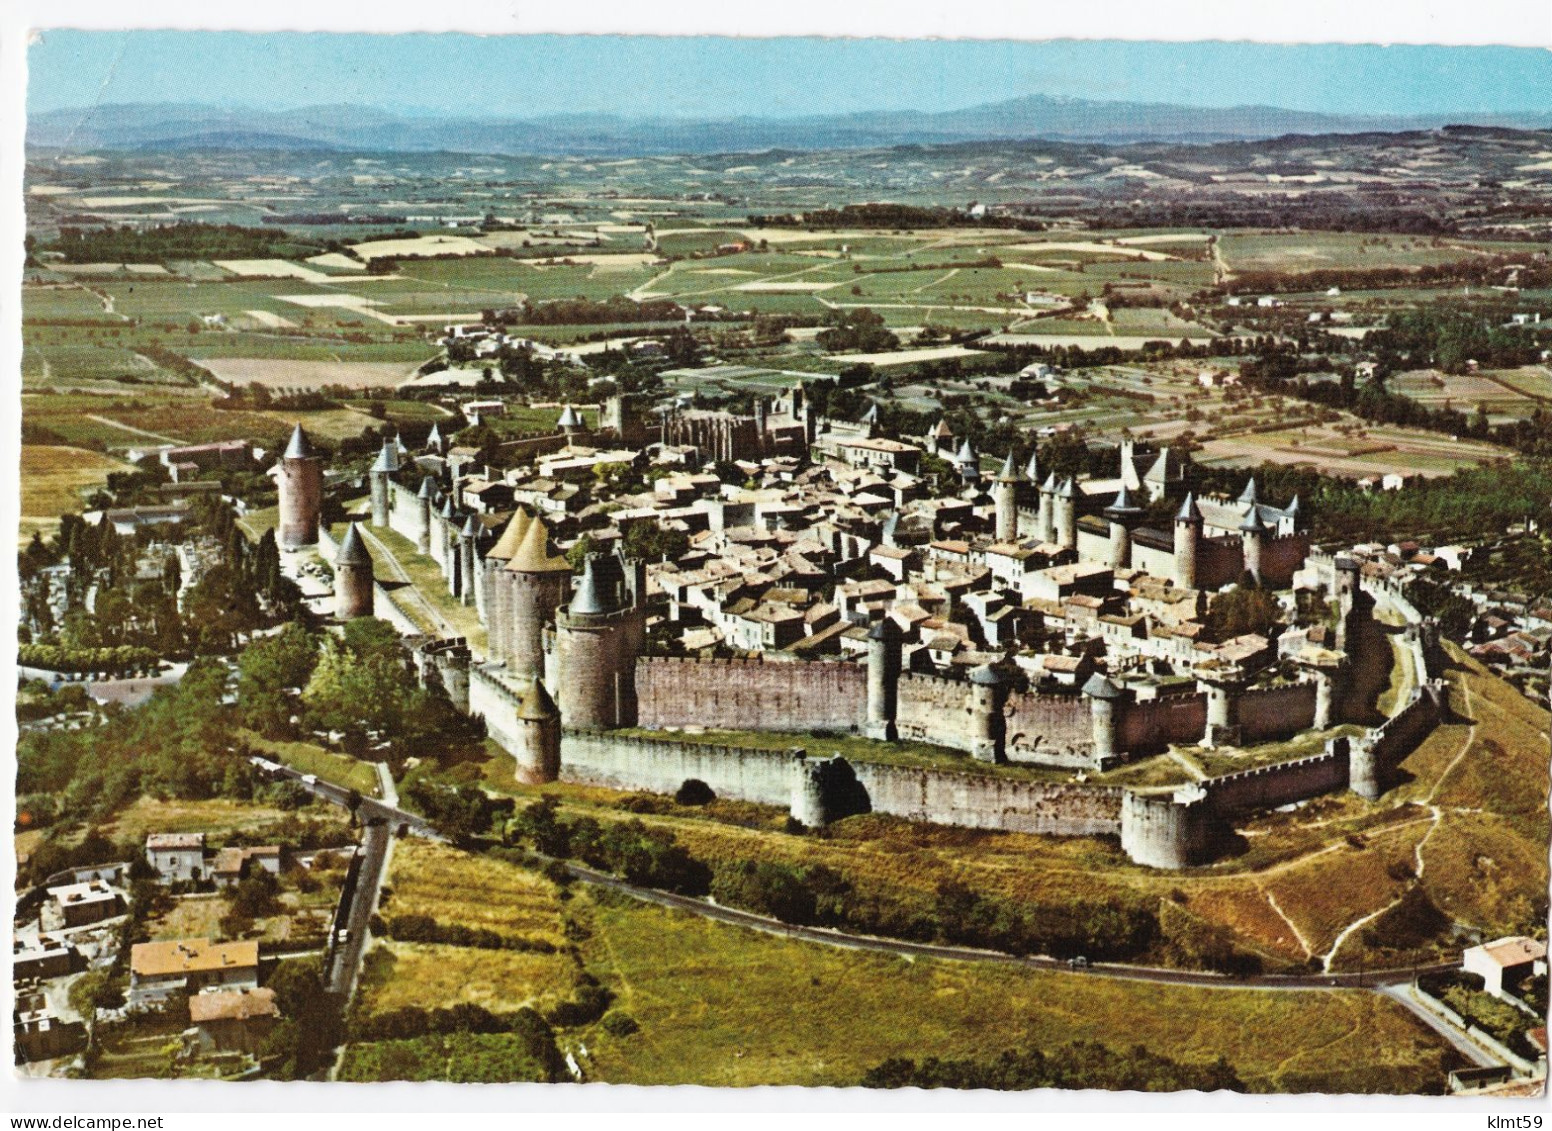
[1467, 1047]
[375, 841]
[1366, 979]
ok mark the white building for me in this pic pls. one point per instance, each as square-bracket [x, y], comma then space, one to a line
[1503, 962]
[176, 856]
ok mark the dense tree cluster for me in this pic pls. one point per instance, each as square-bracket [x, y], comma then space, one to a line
[581, 311]
[645, 856]
[856, 328]
[183, 240]
[455, 1044]
[176, 745]
[1241, 611]
[895, 216]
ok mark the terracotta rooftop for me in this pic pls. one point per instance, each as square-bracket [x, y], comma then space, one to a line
[182, 956]
[232, 1005]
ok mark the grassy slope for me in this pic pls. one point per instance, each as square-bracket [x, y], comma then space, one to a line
[800, 1013]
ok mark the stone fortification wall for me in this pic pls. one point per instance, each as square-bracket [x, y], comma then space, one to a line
[984, 801]
[1058, 727]
[932, 709]
[1159, 563]
[1283, 557]
[385, 606]
[403, 512]
[750, 694]
[1267, 787]
[773, 777]
[534, 444]
[1154, 723]
[662, 766]
[1093, 547]
[1276, 712]
[1384, 746]
[1219, 561]
[494, 701]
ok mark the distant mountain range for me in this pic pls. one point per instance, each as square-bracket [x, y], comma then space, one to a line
[182, 127]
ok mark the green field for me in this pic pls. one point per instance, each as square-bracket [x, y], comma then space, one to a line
[311, 758]
[802, 1013]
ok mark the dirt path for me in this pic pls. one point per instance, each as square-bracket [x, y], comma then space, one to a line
[951, 273]
[1292, 926]
[1435, 815]
[1220, 265]
[132, 428]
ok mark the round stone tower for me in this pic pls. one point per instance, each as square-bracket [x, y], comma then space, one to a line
[497, 597]
[1167, 830]
[1222, 712]
[1122, 514]
[352, 577]
[469, 560]
[535, 584]
[883, 679]
[1364, 774]
[538, 737]
[1067, 514]
[1251, 533]
[1045, 520]
[299, 480]
[988, 691]
[596, 641]
[1104, 700]
[1005, 500]
[382, 473]
[808, 804]
[1188, 537]
[423, 501]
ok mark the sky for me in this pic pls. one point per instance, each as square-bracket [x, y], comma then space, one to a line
[531, 76]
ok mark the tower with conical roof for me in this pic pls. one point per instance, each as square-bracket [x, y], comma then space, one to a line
[1104, 698]
[1067, 514]
[1045, 520]
[536, 583]
[968, 463]
[498, 610]
[423, 502]
[537, 747]
[1005, 500]
[353, 596]
[1122, 515]
[598, 636]
[299, 481]
[1188, 540]
[1251, 539]
[382, 473]
[469, 560]
[570, 420]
